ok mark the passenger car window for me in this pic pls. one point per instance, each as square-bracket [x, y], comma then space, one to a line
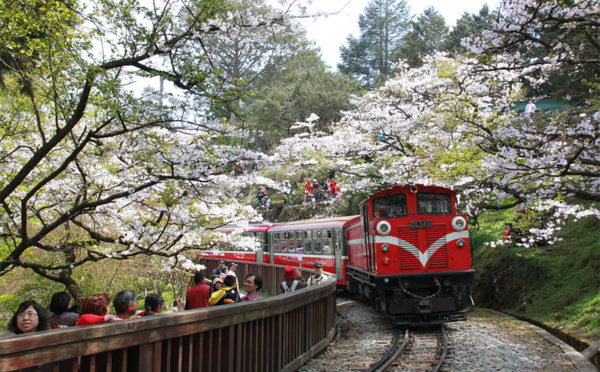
[307, 242]
[317, 241]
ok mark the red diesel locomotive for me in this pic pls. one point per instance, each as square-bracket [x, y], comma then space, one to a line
[408, 252]
[410, 255]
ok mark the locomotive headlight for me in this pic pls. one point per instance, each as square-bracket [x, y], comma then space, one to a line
[384, 228]
[459, 223]
[385, 248]
[461, 243]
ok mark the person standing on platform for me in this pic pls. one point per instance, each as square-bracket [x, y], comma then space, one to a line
[252, 285]
[198, 295]
[292, 282]
[232, 270]
[318, 277]
[219, 270]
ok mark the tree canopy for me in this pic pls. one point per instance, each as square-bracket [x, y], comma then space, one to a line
[370, 57]
[93, 166]
[452, 121]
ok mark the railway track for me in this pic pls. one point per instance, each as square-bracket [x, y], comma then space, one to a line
[367, 341]
[415, 350]
[483, 343]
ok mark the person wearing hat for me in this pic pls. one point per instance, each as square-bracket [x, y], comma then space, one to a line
[318, 277]
[226, 295]
[216, 284]
[232, 270]
[293, 281]
[317, 191]
[221, 269]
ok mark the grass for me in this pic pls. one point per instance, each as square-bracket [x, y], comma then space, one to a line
[558, 285]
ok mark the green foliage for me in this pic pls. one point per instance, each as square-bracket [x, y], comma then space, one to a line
[427, 36]
[540, 283]
[293, 91]
[369, 57]
[471, 25]
[479, 238]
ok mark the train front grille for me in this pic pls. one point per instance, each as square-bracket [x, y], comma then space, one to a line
[431, 235]
[437, 233]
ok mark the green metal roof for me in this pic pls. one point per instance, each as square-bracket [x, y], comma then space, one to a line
[544, 104]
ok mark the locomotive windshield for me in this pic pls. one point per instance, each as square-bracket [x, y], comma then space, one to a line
[389, 206]
[430, 203]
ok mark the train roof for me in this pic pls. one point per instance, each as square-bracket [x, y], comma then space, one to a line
[410, 189]
[250, 227]
[331, 222]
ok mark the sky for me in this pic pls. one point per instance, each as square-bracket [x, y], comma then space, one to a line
[330, 33]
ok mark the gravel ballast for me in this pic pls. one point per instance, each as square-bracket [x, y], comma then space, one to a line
[487, 341]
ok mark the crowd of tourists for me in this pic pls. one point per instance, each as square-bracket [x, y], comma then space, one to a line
[221, 289]
[313, 192]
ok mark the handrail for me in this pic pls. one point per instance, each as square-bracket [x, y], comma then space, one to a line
[276, 334]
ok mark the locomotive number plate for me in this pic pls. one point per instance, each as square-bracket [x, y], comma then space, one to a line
[420, 224]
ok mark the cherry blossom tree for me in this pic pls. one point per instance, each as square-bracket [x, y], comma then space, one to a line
[554, 43]
[94, 167]
[452, 123]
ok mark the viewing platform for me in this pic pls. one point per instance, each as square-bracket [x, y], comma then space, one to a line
[278, 333]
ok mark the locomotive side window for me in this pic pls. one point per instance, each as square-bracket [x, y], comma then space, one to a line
[389, 206]
[317, 241]
[430, 203]
[307, 242]
[327, 247]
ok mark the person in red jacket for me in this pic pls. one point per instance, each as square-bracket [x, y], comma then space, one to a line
[94, 310]
[334, 187]
[198, 295]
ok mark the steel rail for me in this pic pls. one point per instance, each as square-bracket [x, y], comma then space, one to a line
[444, 348]
[396, 349]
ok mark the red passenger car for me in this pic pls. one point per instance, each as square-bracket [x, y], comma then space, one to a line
[302, 243]
[230, 253]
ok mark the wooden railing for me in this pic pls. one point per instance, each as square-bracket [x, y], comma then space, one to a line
[276, 334]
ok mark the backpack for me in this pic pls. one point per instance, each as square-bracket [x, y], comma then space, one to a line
[290, 289]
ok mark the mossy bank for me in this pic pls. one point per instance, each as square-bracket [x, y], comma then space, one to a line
[557, 285]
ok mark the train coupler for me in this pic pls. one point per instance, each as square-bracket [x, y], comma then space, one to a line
[424, 307]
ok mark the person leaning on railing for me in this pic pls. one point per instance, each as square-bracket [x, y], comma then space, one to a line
[60, 316]
[30, 317]
[293, 281]
[94, 310]
[318, 277]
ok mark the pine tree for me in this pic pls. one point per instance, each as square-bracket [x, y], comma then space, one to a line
[427, 37]
[369, 58]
